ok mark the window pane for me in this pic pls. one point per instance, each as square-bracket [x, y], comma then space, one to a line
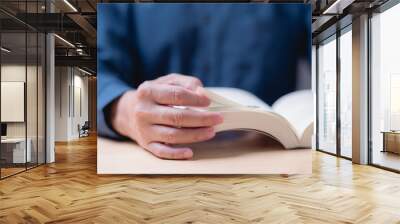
[345, 94]
[327, 96]
[385, 84]
[31, 96]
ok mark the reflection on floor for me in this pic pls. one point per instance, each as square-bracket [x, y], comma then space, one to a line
[11, 169]
[387, 159]
[70, 191]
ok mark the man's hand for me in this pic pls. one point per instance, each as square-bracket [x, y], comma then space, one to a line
[146, 116]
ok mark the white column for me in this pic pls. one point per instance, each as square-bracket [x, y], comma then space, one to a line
[50, 99]
[314, 91]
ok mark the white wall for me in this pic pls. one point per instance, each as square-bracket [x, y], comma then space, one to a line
[62, 81]
[71, 94]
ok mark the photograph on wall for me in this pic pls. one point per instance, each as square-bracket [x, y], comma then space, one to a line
[204, 88]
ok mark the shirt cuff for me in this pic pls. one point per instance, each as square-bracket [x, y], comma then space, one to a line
[106, 96]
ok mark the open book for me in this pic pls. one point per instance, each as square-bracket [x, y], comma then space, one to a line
[289, 120]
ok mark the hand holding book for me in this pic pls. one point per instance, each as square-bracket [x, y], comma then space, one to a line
[145, 115]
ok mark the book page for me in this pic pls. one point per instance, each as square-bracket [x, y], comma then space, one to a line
[298, 108]
[238, 96]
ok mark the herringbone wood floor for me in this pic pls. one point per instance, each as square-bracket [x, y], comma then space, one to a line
[69, 191]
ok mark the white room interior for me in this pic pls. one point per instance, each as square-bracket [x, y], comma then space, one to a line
[71, 102]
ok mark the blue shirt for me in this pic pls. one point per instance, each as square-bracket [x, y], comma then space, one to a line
[252, 46]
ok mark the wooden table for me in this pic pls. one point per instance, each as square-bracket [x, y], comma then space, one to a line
[391, 141]
[219, 156]
[14, 151]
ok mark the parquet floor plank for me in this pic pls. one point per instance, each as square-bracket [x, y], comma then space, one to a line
[70, 191]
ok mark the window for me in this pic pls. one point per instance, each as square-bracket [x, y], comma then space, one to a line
[385, 89]
[327, 95]
[334, 106]
[346, 92]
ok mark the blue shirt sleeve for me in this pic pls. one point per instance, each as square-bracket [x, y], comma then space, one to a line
[114, 61]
